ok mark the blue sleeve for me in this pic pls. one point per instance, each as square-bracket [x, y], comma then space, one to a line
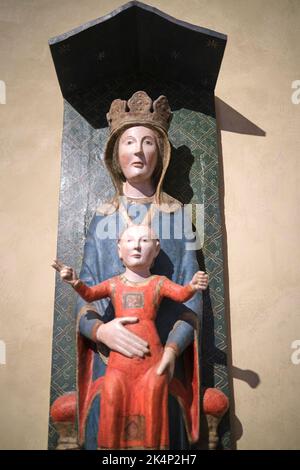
[190, 312]
[92, 314]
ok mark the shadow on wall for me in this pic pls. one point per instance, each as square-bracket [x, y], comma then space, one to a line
[228, 119]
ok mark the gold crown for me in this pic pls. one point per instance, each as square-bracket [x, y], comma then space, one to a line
[139, 109]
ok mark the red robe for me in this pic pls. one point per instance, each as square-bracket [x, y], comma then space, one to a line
[134, 399]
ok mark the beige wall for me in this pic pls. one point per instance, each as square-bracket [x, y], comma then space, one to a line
[261, 185]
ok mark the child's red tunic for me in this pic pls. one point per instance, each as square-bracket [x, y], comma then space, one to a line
[134, 399]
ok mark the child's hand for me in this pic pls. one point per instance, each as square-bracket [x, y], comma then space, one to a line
[167, 363]
[199, 281]
[67, 274]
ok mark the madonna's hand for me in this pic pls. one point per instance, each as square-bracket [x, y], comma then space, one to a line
[118, 338]
[167, 363]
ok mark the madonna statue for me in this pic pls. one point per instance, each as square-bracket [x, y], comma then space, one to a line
[137, 156]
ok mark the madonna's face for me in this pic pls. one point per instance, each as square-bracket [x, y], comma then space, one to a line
[138, 153]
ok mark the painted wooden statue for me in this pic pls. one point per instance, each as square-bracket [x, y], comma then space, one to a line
[137, 155]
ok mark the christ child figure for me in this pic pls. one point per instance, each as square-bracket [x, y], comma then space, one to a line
[134, 390]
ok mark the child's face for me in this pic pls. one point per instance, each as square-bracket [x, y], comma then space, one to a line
[138, 247]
